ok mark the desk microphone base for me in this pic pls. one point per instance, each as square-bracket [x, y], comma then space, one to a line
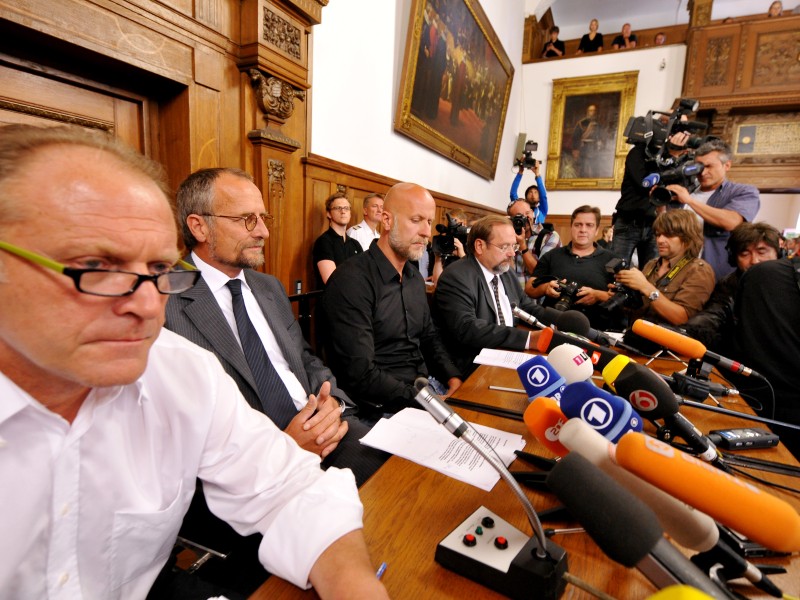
[494, 553]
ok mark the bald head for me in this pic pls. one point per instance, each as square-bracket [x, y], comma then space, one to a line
[408, 211]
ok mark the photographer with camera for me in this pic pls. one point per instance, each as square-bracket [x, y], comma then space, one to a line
[574, 276]
[534, 239]
[448, 246]
[677, 284]
[536, 194]
[721, 204]
[634, 213]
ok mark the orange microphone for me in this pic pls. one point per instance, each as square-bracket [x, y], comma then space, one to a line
[687, 346]
[544, 419]
[762, 517]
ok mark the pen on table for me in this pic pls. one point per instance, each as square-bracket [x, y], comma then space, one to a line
[381, 570]
[506, 389]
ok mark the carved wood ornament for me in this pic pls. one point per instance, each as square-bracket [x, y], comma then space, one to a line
[275, 97]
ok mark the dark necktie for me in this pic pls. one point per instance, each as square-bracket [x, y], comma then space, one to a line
[275, 398]
[495, 282]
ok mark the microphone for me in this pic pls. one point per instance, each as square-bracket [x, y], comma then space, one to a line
[550, 338]
[539, 378]
[540, 564]
[624, 528]
[688, 347]
[609, 415]
[689, 527]
[574, 321]
[651, 180]
[651, 395]
[685, 385]
[544, 420]
[749, 510]
[572, 362]
[548, 316]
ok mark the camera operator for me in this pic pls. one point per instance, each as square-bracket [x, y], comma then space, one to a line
[575, 274]
[634, 213]
[721, 204]
[677, 284]
[448, 246]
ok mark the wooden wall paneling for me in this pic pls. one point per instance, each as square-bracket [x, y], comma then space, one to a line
[770, 51]
[711, 66]
[175, 135]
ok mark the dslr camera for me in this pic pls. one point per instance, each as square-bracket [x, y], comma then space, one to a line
[519, 222]
[623, 296]
[444, 243]
[527, 161]
[568, 294]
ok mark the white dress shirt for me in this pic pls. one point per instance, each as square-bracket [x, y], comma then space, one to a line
[217, 283]
[505, 303]
[92, 509]
[364, 234]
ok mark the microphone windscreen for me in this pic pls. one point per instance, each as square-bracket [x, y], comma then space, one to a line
[680, 592]
[609, 415]
[621, 524]
[740, 505]
[573, 321]
[646, 391]
[540, 378]
[687, 526]
[420, 383]
[599, 355]
[545, 339]
[544, 419]
[550, 315]
[613, 369]
[572, 362]
[651, 180]
[673, 340]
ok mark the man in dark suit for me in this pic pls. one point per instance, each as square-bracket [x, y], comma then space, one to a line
[473, 298]
[225, 226]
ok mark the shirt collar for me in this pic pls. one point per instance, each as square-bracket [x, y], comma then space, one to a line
[385, 268]
[214, 278]
[489, 275]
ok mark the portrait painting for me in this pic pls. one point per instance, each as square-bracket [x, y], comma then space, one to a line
[587, 148]
[455, 84]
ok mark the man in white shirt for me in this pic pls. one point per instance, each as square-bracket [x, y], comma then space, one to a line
[368, 230]
[107, 419]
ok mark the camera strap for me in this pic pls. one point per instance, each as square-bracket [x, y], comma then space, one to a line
[664, 281]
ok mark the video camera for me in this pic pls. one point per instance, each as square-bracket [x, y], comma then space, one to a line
[623, 295]
[444, 243]
[684, 174]
[527, 161]
[656, 127]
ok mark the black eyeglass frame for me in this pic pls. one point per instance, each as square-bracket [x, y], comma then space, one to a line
[252, 219]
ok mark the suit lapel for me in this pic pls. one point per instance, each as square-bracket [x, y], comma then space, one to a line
[205, 314]
[485, 290]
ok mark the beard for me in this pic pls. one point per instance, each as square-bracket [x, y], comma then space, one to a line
[501, 267]
[403, 249]
[239, 260]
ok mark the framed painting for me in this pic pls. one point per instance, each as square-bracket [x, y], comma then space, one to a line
[455, 84]
[586, 148]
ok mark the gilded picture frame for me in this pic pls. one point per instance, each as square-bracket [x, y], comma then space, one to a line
[455, 85]
[586, 148]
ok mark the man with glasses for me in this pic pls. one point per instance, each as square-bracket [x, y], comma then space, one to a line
[334, 246]
[379, 334]
[535, 238]
[474, 297]
[107, 419]
[224, 226]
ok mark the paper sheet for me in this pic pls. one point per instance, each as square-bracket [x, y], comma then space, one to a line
[413, 434]
[507, 359]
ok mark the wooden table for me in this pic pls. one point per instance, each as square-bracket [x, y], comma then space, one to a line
[409, 509]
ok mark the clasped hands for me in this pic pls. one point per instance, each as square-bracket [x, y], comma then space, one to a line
[318, 427]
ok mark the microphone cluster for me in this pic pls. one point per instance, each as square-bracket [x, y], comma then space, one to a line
[615, 480]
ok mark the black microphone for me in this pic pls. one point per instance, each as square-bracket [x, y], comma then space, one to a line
[574, 321]
[626, 529]
[540, 565]
[547, 317]
[599, 355]
[699, 389]
[651, 396]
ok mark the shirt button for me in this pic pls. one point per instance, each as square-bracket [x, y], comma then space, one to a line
[65, 510]
[63, 579]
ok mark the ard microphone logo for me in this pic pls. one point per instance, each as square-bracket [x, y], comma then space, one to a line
[597, 412]
[538, 376]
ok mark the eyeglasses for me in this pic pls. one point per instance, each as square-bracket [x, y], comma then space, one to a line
[104, 282]
[343, 209]
[250, 221]
[505, 247]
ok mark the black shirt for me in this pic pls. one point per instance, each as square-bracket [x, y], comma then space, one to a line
[589, 271]
[378, 332]
[559, 45]
[331, 246]
[634, 202]
[591, 45]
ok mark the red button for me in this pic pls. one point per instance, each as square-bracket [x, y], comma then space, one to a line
[469, 540]
[501, 542]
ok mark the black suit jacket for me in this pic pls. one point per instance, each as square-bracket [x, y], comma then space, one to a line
[464, 312]
[195, 315]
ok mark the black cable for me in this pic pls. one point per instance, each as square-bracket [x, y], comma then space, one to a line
[772, 484]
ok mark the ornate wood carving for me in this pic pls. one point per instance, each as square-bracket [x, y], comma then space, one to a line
[699, 12]
[776, 59]
[281, 34]
[275, 97]
[53, 115]
[276, 173]
[718, 56]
